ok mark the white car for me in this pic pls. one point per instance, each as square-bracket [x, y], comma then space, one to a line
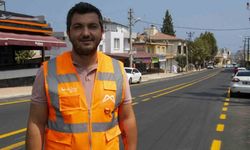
[133, 75]
[240, 82]
[236, 69]
[210, 67]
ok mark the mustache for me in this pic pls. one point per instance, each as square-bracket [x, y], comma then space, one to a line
[86, 38]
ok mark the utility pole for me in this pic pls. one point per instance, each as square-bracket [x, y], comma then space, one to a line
[130, 18]
[248, 51]
[244, 52]
[190, 35]
[248, 62]
[132, 22]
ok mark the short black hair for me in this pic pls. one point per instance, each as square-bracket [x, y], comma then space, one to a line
[83, 8]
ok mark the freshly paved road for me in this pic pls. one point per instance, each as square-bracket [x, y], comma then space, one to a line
[183, 113]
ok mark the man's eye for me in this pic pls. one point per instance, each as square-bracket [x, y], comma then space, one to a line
[94, 26]
[77, 27]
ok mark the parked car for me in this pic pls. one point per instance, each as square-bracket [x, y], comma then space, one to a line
[210, 67]
[240, 82]
[133, 75]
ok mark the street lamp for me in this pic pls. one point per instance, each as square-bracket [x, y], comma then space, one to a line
[132, 22]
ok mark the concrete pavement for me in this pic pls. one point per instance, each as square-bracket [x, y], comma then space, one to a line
[12, 92]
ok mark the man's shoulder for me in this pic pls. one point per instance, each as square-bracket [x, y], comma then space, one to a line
[105, 56]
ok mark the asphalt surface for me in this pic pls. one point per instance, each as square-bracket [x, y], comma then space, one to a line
[178, 113]
[187, 118]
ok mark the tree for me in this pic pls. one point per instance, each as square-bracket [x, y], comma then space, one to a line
[22, 55]
[204, 49]
[210, 40]
[167, 26]
[181, 59]
[199, 51]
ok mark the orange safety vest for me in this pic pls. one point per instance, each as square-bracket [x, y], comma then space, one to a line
[71, 124]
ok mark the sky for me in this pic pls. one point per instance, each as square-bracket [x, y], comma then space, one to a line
[196, 16]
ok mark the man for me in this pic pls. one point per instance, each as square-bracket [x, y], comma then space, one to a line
[81, 99]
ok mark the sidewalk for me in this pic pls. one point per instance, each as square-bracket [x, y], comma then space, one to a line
[13, 92]
[154, 76]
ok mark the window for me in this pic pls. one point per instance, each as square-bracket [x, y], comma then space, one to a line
[135, 71]
[163, 50]
[179, 49]
[116, 43]
[185, 49]
[148, 50]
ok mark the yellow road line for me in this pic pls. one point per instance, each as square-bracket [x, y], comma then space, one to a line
[172, 90]
[146, 99]
[226, 103]
[228, 92]
[14, 102]
[220, 128]
[223, 116]
[12, 133]
[224, 109]
[216, 145]
[187, 85]
[179, 85]
[134, 103]
[162, 90]
[13, 146]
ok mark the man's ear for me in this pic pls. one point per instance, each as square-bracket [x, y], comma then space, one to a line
[102, 34]
[68, 34]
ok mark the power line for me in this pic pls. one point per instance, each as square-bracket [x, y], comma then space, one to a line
[202, 29]
[212, 29]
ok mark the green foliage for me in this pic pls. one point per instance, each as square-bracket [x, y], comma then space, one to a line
[167, 26]
[203, 48]
[210, 40]
[22, 55]
[181, 59]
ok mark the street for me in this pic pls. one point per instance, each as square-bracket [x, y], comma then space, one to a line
[189, 112]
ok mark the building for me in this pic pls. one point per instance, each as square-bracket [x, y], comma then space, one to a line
[115, 37]
[20, 32]
[21, 36]
[162, 47]
[115, 41]
[223, 57]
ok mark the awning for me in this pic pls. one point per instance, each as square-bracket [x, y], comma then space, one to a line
[7, 39]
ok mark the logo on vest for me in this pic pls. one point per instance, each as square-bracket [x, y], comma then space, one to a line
[108, 97]
[70, 89]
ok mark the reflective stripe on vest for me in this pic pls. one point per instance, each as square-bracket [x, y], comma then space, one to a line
[53, 80]
[114, 77]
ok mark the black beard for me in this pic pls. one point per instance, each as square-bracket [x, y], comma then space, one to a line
[84, 52]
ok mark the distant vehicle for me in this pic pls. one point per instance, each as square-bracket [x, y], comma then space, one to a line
[229, 66]
[133, 75]
[210, 67]
[240, 82]
[236, 69]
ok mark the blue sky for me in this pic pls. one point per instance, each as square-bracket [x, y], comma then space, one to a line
[205, 14]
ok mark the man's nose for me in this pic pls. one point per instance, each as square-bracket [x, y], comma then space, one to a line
[85, 31]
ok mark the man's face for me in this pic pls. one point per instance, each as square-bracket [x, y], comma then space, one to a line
[85, 33]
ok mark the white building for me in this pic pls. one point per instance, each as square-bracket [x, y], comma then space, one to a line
[223, 56]
[115, 39]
